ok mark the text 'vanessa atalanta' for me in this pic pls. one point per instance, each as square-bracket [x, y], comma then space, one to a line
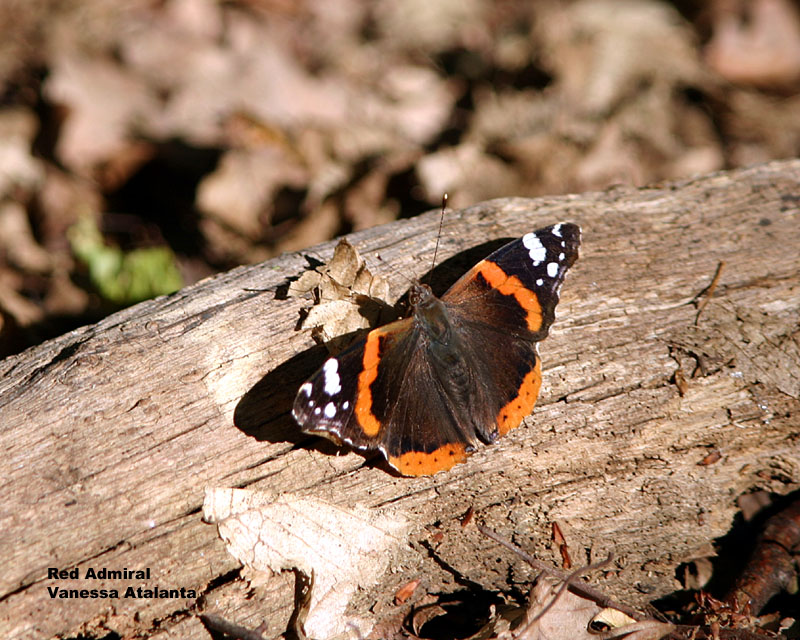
[462, 368]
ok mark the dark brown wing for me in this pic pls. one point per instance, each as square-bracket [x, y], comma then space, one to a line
[502, 308]
[515, 290]
[381, 393]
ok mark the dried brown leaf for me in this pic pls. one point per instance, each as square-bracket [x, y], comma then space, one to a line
[432, 26]
[104, 103]
[241, 191]
[349, 296]
[18, 167]
[251, 69]
[17, 242]
[467, 172]
[758, 45]
[345, 549]
[406, 591]
[556, 614]
[601, 51]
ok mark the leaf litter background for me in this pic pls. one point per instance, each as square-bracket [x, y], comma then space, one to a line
[147, 144]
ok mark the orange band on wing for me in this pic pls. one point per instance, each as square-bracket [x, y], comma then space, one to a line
[372, 356]
[512, 414]
[512, 286]
[417, 463]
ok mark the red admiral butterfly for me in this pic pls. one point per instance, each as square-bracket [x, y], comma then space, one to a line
[462, 368]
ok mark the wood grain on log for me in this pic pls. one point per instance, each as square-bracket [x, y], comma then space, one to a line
[111, 433]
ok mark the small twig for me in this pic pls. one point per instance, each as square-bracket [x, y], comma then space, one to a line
[302, 592]
[560, 540]
[234, 631]
[709, 291]
[303, 584]
[565, 584]
[772, 567]
[580, 587]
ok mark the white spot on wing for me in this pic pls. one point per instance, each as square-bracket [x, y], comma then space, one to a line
[306, 389]
[333, 384]
[330, 410]
[535, 248]
[346, 405]
[552, 269]
[557, 230]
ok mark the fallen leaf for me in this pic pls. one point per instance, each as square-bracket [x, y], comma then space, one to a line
[759, 45]
[17, 310]
[104, 102]
[17, 240]
[406, 591]
[553, 614]
[612, 618]
[18, 166]
[123, 277]
[568, 617]
[242, 190]
[561, 541]
[436, 26]
[467, 172]
[349, 296]
[601, 53]
[345, 549]
[711, 458]
[222, 75]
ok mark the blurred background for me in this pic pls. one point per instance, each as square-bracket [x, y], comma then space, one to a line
[147, 144]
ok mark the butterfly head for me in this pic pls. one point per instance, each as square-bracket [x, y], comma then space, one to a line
[419, 294]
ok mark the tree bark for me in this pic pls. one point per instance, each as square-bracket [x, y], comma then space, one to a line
[112, 432]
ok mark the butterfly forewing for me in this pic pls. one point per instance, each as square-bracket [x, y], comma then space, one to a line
[518, 286]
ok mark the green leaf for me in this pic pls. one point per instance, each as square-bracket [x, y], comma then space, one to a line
[123, 278]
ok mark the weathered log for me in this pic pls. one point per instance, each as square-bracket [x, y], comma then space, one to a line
[110, 433]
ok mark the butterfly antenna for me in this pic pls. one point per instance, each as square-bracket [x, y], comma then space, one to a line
[439, 235]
